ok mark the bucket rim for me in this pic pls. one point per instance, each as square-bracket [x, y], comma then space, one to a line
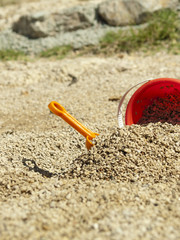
[129, 108]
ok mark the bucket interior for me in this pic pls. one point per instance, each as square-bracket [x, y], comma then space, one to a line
[146, 94]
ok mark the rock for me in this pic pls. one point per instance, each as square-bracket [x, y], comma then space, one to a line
[32, 26]
[128, 12]
[42, 24]
[74, 19]
[120, 12]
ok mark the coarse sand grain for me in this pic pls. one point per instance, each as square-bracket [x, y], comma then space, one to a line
[51, 187]
[137, 153]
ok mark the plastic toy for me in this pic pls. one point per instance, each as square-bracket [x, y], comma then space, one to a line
[144, 96]
[60, 111]
[158, 91]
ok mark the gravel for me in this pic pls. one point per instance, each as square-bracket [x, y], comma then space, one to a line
[51, 187]
[136, 153]
[77, 39]
[126, 187]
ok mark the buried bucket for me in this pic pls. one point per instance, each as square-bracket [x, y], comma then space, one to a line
[156, 100]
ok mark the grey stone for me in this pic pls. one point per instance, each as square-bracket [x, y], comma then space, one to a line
[77, 39]
[44, 33]
[74, 19]
[128, 12]
[120, 12]
[42, 24]
[32, 26]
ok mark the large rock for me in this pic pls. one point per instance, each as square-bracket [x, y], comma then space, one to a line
[113, 12]
[127, 12]
[43, 24]
[33, 26]
[120, 12]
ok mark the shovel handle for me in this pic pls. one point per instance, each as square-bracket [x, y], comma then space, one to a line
[60, 111]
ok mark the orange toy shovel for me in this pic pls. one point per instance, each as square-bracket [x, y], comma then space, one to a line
[60, 111]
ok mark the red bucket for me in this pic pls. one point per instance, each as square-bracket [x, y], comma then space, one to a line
[150, 94]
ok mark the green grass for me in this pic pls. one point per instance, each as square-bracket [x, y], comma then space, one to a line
[10, 2]
[163, 30]
[7, 2]
[57, 52]
[10, 55]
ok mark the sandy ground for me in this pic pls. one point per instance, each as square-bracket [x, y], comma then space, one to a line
[51, 187]
[45, 190]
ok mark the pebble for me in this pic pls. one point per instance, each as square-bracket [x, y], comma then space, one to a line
[107, 180]
[112, 157]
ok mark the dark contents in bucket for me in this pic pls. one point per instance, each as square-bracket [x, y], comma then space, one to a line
[166, 109]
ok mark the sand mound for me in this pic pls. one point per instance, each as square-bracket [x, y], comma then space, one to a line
[51, 187]
[149, 154]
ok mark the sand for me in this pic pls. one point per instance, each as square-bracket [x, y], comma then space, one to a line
[51, 187]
